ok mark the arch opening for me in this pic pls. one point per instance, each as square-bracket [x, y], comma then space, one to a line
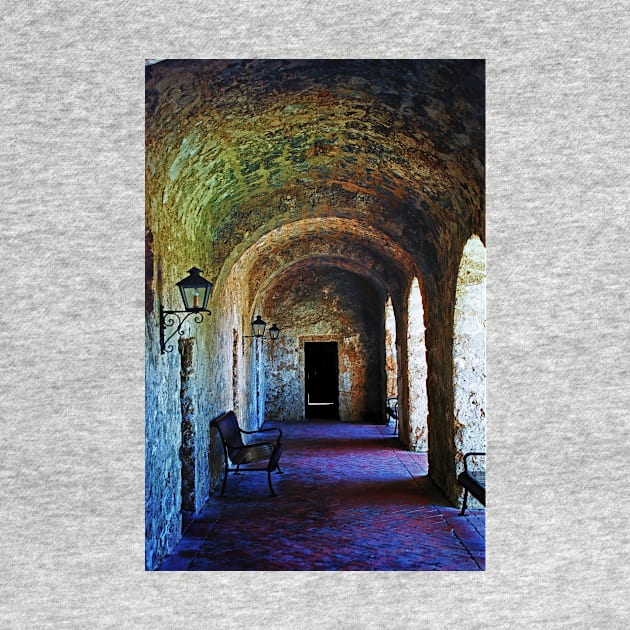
[391, 355]
[469, 351]
[417, 370]
[343, 258]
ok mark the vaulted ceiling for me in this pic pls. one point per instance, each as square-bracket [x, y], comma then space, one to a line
[372, 166]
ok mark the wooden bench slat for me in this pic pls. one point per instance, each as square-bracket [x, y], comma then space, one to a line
[251, 454]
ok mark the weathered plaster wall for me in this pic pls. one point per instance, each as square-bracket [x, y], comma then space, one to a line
[326, 304]
[179, 403]
[162, 465]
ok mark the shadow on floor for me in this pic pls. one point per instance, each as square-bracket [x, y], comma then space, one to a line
[350, 499]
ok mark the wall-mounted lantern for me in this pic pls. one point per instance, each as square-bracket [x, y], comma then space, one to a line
[195, 291]
[258, 326]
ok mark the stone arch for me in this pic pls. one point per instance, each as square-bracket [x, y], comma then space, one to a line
[469, 351]
[417, 370]
[282, 256]
[273, 247]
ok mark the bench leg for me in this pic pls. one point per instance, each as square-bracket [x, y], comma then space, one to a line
[273, 494]
[225, 474]
[464, 503]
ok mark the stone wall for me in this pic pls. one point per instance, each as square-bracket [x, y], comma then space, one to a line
[327, 304]
[182, 394]
[162, 464]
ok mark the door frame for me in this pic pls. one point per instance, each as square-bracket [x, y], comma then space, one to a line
[329, 352]
[302, 339]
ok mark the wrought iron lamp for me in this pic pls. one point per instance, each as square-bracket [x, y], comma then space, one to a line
[195, 291]
[258, 326]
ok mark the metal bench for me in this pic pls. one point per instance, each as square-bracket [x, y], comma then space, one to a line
[473, 482]
[391, 407]
[238, 452]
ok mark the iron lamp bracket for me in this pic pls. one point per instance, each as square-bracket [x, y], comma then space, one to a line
[174, 318]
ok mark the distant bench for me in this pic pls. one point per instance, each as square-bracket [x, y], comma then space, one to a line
[242, 454]
[473, 481]
[391, 407]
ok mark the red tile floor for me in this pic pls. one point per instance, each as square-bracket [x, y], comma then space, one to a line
[350, 499]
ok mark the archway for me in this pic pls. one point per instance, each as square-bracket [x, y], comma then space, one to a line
[391, 357]
[417, 369]
[469, 350]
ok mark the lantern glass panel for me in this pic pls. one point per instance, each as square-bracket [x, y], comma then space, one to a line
[195, 290]
[259, 326]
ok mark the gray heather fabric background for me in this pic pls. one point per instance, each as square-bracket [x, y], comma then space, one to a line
[72, 320]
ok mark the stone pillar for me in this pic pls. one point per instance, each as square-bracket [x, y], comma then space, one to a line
[417, 367]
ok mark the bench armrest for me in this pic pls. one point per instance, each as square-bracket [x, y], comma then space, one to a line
[273, 444]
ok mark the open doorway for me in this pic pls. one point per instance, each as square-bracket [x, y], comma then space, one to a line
[321, 374]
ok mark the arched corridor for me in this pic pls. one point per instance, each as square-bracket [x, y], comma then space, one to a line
[331, 199]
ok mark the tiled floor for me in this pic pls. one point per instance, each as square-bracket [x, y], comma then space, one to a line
[350, 499]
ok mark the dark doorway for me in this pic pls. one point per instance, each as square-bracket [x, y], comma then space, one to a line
[322, 379]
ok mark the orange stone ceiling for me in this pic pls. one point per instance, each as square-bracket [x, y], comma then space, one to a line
[247, 156]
